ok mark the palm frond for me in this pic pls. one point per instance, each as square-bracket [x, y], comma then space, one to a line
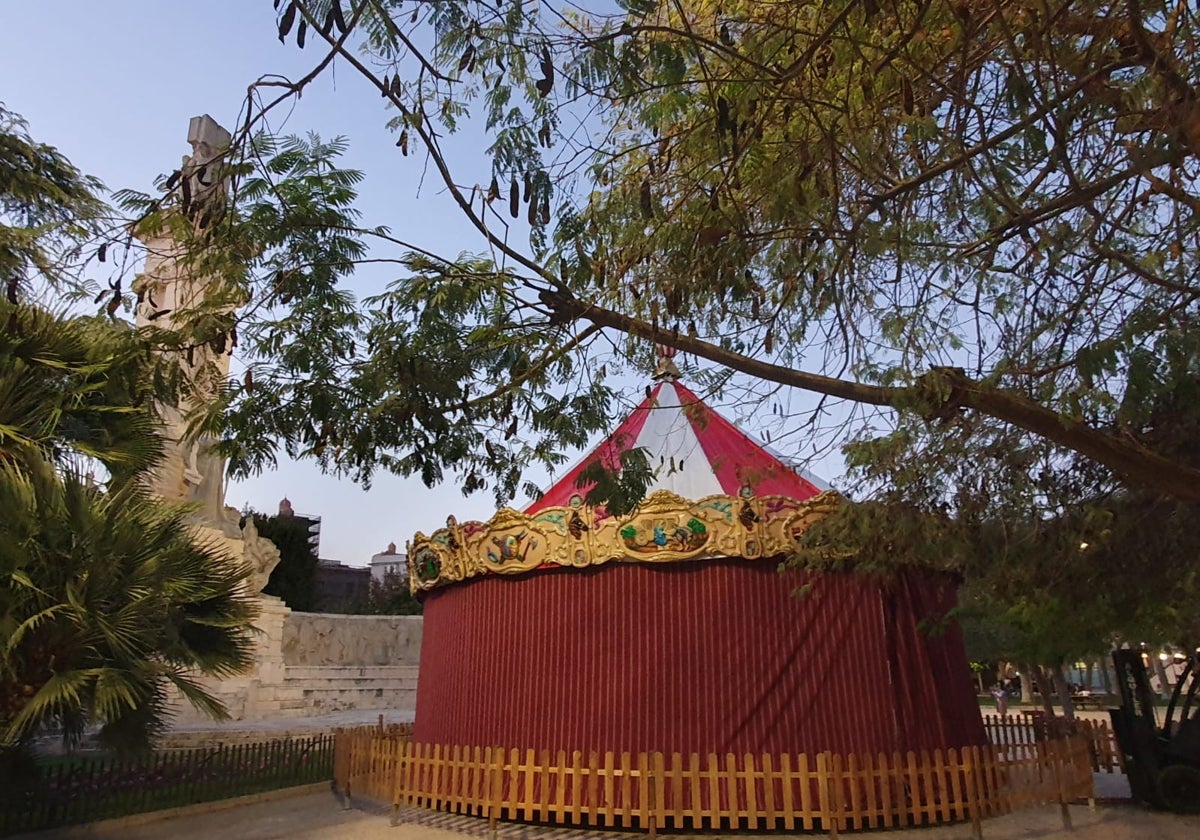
[195, 694]
[63, 691]
[112, 585]
[31, 624]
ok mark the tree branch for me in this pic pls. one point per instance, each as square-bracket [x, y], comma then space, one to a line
[1136, 465]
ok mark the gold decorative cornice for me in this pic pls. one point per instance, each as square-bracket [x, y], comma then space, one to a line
[665, 528]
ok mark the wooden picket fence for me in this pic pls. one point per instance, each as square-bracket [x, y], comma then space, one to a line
[652, 791]
[87, 787]
[1029, 728]
[362, 760]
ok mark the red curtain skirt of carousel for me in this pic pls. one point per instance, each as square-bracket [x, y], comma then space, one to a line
[714, 656]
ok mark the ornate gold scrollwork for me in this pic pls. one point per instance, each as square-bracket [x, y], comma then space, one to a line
[665, 528]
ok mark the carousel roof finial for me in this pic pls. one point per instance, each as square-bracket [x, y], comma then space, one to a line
[665, 370]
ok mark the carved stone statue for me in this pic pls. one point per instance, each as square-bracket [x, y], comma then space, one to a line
[260, 554]
[203, 190]
[168, 288]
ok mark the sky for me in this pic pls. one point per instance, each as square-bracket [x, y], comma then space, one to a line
[113, 85]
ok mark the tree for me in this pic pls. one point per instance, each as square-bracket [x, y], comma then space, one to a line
[391, 596]
[978, 216]
[47, 208]
[1058, 563]
[295, 578]
[976, 209]
[106, 596]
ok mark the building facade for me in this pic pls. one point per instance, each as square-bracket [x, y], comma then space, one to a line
[389, 562]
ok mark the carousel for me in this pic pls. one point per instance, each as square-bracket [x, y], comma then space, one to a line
[673, 629]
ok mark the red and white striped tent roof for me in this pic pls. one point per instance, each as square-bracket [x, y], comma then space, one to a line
[694, 451]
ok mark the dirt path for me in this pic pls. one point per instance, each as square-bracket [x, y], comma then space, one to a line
[320, 817]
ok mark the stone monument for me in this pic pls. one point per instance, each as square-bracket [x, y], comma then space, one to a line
[303, 663]
[168, 291]
[192, 471]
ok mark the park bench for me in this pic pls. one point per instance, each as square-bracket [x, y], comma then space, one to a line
[1097, 702]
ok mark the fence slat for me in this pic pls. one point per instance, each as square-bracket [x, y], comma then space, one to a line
[837, 782]
[543, 783]
[941, 786]
[643, 788]
[593, 789]
[659, 803]
[610, 780]
[787, 789]
[806, 779]
[957, 811]
[714, 792]
[626, 796]
[769, 779]
[823, 794]
[887, 809]
[678, 807]
[731, 791]
[695, 790]
[855, 815]
[871, 782]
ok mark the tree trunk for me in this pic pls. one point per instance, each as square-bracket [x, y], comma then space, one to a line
[1111, 670]
[1027, 685]
[1045, 689]
[1087, 675]
[1106, 678]
[1064, 692]
[1160, 671]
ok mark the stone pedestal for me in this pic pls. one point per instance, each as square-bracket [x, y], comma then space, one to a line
[306, 665]
[268, 648]
[255, 693]
[269, 674]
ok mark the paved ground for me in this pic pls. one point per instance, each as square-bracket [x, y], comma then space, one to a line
[1110, 787]
[321, 817]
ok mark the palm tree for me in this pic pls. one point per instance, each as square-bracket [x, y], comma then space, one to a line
[106, 598]
[77, 388]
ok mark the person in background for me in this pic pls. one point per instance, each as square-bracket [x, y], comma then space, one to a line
[1001, 698]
